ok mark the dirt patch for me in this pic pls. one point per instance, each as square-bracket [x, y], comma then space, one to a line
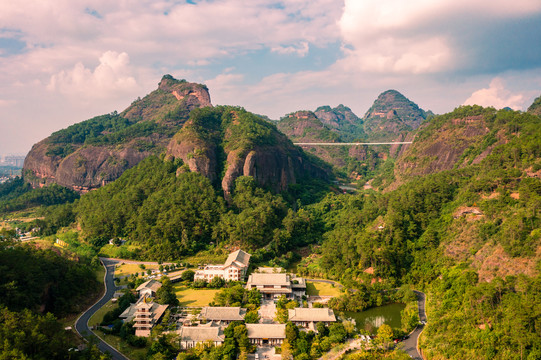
[493, 195]
[493, 261]
[469, 212]
[515, 195]
[370, 270]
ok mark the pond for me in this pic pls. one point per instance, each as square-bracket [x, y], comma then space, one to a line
[372, 319]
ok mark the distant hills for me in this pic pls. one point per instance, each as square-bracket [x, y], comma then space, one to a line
[95, 152]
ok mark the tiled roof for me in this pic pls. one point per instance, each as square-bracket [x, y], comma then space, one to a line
[311, 314]
[266, 331]
[201, 333]
[238, 256]
[129, 313]
[222, 313]
[150, 284]
[268, 279]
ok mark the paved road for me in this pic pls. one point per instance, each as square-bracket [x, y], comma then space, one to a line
[410, 345]
[81, 325]
[126, 261]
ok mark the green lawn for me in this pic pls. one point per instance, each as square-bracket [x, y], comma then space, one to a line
[321, 289]
[192, 297]
[98, 316]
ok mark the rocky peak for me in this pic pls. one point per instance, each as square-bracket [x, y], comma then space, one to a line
[305, 126]
[338, 117]
[92, 153]
[391, 115]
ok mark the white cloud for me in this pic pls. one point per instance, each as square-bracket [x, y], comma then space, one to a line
[301, 50]
[418, 36]
[496, 95]
[111, 77]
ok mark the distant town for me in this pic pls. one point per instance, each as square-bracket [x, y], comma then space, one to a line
[10, 166]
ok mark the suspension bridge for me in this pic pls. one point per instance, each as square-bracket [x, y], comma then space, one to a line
[354, 144]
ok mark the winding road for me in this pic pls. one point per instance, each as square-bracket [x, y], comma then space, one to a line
[81, 325]
[410, 345]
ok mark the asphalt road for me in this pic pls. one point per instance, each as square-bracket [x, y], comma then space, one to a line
[81, 325]
[410, 345]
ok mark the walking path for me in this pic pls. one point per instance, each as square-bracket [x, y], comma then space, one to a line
[81, 325]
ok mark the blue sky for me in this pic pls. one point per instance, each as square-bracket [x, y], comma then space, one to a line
[64, 61]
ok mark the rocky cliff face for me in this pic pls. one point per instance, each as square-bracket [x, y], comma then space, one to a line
[90, 154]
[447, 143]
[391, 116]
[228, 142]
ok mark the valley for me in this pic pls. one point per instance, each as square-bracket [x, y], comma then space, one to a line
[452, 209]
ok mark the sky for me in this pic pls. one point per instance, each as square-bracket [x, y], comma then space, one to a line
[65, 61]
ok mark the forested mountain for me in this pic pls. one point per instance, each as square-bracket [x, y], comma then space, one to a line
[466, 230]
[95, 152]
[343, 121]
[228, 142]
[332, 125]
[392, 117]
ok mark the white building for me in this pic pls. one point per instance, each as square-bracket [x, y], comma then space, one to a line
[234, 269]
[274, 285]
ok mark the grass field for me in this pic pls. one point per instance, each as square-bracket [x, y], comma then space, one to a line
[128, 350]
[128, 269]
[321, 289]
[98, 316]
[192, 297]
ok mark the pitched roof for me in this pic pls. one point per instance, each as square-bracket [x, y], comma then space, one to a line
[222, 313]
[239, 256]
[129, 313]
[311, 314]
[268, 279]
[150, 284]
[266, 331]
[201, 333]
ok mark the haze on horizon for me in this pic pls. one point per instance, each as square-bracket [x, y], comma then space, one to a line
[62, 62]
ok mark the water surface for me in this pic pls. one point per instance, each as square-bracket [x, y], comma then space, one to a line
[372, 319]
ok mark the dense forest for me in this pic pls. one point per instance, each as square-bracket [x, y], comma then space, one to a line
[38, 286]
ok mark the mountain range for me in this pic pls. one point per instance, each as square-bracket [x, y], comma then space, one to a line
[95, 152]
